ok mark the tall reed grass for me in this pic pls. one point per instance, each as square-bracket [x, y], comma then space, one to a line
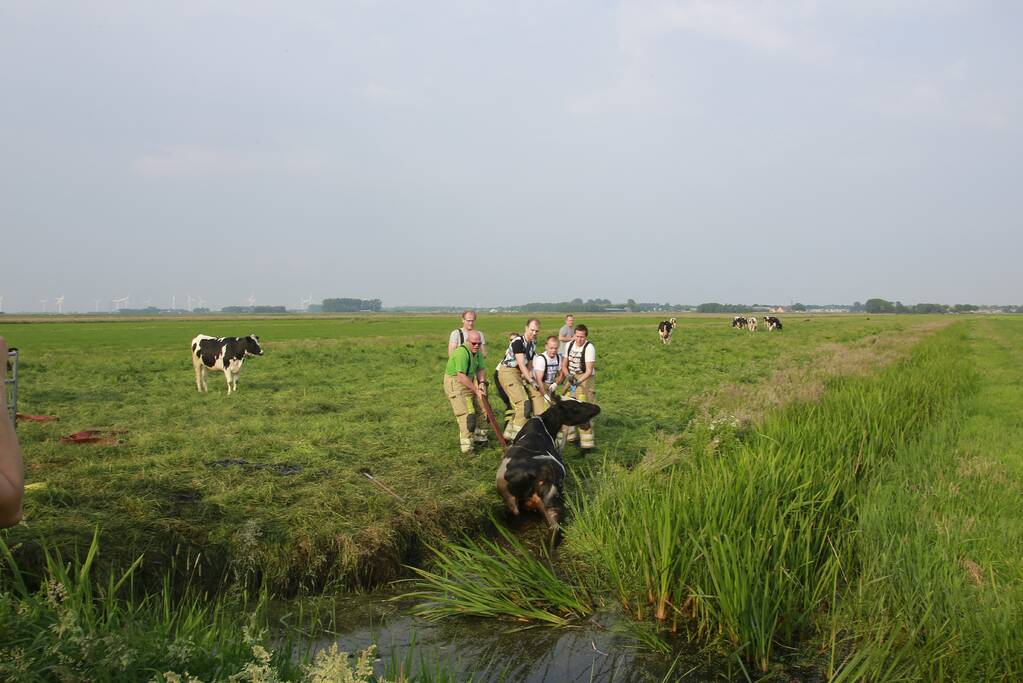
[497, 579]
[78, 626]
[750, 543]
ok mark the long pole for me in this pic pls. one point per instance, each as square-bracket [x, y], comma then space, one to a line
[493, 421]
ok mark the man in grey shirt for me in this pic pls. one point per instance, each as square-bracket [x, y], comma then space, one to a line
[566, 334]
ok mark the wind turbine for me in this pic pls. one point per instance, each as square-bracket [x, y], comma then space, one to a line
[60, 304]
[96, 306]
[189, 300]
[200, 303]
[1, 304]
[303, 304]
[252, 299]
[174, 302]
[149, 302]
[120, 303]
[43, 301]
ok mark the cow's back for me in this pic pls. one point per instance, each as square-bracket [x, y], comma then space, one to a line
[208, 350]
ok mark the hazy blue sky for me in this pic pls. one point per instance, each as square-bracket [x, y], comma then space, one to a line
[501, 152]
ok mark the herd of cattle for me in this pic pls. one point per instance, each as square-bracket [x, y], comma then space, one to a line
[666, 327]
[531, 475]
[750, 323]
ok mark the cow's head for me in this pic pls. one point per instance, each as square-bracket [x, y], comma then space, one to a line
[547, 495]
[570, 412]
[252, 347]
[673, 322]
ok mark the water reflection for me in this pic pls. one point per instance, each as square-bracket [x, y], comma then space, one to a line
[492, 650]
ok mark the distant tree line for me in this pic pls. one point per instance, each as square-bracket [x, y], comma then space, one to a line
[253, 309]
[578, 305]
[884, 306]
[715, 307]
[351, 305]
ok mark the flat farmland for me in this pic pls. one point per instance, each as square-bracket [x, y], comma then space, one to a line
[268, 485]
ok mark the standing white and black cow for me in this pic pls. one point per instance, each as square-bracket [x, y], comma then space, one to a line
[222, 353]
[532, 473]
[751, 324]
[665, 328]
[739, 322]
[772, 323]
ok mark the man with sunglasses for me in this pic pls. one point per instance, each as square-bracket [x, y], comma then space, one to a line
[464, 367]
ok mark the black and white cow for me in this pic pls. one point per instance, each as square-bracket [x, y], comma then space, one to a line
[772, 323]
[739, 322]
[751, 323]
[532, 474]
[665, 328]
[222, 353]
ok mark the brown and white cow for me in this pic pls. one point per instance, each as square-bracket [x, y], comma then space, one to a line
[222, 353]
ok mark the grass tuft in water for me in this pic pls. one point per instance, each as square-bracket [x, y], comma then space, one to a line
[500, 578]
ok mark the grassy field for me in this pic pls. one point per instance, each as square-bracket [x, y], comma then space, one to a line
[840, 498]
[332, 396]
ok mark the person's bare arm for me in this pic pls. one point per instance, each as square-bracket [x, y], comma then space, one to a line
[520, 360]
[586, 375]
[12, 473]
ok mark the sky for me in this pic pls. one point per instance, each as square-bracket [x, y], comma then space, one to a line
[497, 153]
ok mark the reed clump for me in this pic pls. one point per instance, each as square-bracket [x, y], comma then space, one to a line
[750, 542]
[80, 626]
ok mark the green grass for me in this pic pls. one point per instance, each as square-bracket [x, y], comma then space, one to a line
[332, 396]
[82, 626]
[939, 595]
[878, 525]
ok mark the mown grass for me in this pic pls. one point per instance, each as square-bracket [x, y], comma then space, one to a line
[849, 525]
[332, 396]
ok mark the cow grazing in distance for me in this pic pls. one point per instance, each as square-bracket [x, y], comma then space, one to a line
[751, 324]
[532, 474]
[222, 353]
[739, 323]
[665, 328]
[772, 323]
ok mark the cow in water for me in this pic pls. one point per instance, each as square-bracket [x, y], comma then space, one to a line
[532, 473]
[222, 353]
[772, 323]
[665, 328]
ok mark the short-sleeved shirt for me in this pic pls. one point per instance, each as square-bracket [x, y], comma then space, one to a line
[519, 345]
[459, 336]
[464, 360]
[547, 365]
[565, 331]
[576, 364]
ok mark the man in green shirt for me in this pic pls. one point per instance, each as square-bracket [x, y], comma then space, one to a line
[464, 366]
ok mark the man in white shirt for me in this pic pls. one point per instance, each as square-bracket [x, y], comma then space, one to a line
[580, 358]
[458, 337]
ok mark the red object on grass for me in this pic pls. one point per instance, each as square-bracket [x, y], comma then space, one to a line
[36, 418]
[93, 436]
